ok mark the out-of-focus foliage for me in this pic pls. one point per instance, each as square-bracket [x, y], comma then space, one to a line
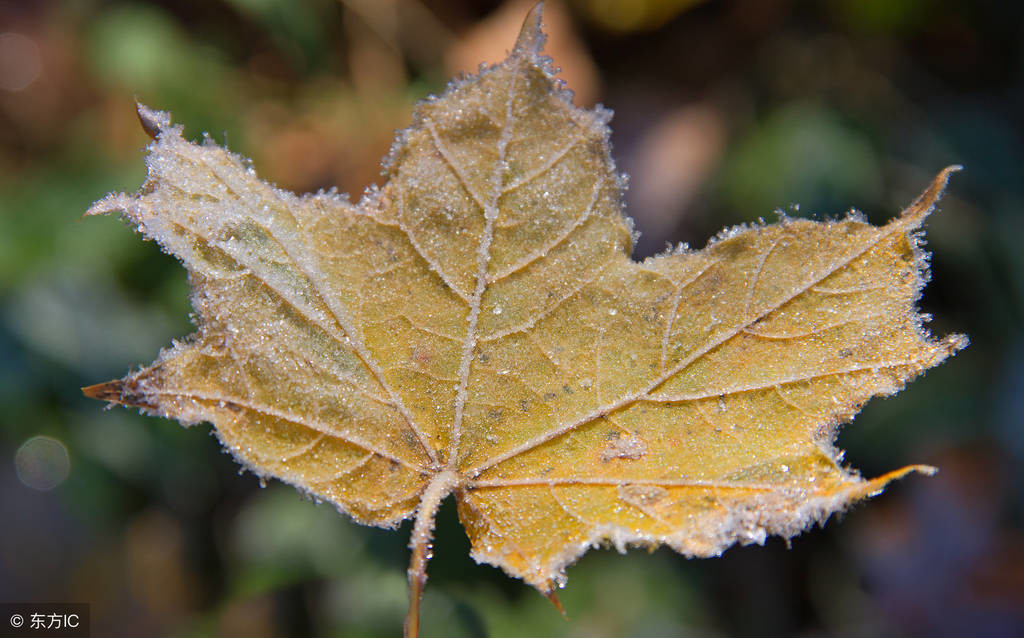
[631, 15]
[783, 102]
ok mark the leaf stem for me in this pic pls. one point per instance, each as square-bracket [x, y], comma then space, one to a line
[421, 543]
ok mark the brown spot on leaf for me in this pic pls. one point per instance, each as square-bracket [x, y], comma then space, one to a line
[642, 495]
[630, 448]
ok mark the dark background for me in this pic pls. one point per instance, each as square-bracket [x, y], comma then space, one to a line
[725, 111]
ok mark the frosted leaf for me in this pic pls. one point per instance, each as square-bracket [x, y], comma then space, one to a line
[477, 327]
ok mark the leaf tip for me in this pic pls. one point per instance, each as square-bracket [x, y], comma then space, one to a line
[106, 391]
[925, 202]
[153, 122]
[956, 342]
[531, 36]
[553, 597]
[117, 391]
[113, 203]
[877, 485]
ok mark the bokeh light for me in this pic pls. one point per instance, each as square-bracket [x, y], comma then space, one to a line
[42, 463]
[20, 63]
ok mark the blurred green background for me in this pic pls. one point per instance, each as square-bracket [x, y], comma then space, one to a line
[725, 112]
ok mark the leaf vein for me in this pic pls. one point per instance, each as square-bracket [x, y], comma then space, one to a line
[897, 225]
[675, 308]
[292, 417]
[544, 250]
[544, 168]
[340, 317]
[530, 323]
[432, 265]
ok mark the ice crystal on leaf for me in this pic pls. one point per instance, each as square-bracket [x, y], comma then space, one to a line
[477, 328]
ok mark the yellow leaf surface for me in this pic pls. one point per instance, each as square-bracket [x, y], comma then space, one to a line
[477, 327]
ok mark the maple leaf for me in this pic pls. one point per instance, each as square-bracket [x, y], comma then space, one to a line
[476, 327]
